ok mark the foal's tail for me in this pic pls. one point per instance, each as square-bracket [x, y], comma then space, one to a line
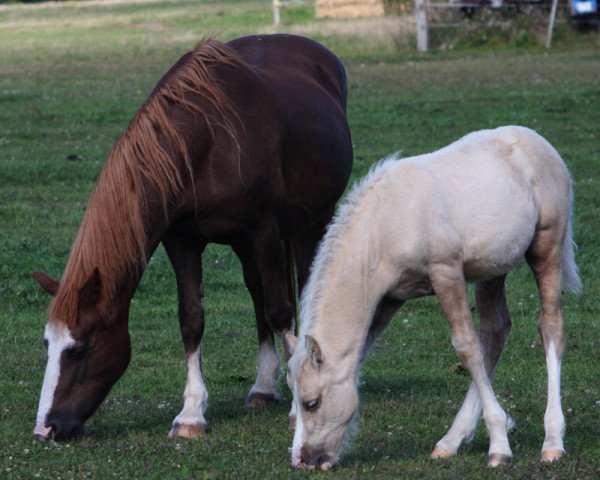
[570, 272]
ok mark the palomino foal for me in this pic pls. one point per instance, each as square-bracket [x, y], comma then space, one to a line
[427, 225]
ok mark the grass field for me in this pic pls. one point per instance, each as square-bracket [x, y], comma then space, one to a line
[72, 76]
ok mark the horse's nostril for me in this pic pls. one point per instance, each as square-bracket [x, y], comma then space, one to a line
[42, 433]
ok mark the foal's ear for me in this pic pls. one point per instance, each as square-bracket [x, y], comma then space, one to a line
[290, 343]
[314, 351]
[89, 295]
[48, 284]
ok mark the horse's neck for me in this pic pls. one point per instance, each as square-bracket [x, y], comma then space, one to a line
[116, 236]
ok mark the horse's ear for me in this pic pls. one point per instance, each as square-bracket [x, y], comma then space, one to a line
[290, 344]
[314, 351]
[48, 284]
[89, 295]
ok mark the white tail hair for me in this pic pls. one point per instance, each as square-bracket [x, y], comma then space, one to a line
[570, 272]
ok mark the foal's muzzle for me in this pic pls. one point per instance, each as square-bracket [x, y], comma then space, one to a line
[310, 460]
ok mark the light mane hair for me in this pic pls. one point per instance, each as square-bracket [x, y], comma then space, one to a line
[151, 156]
[343, 220]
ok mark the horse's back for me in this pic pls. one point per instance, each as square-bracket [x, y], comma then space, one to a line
[290, 58]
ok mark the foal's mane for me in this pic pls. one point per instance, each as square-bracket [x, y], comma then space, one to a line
[150, 157]
[334, 237]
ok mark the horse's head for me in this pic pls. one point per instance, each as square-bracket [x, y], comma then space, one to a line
[83, 362]
[325, 399]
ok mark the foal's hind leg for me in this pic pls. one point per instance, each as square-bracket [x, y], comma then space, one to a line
[185, 255]
[494, 328]
[544, 258]
[449, 286]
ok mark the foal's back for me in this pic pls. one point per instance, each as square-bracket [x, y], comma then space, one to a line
[480, 199]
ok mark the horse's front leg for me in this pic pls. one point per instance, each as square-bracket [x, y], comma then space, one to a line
[449, 286]
[185, 255]
[494, 328]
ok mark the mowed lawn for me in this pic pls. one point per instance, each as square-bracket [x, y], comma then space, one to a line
[72, 76]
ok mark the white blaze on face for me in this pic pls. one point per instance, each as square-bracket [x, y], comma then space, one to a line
[59, 338]
[297, 445]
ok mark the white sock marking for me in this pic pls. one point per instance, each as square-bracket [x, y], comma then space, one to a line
[554, 420]
[195, 394]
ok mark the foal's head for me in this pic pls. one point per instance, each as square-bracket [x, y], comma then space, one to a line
[86, 356]
[326, 401]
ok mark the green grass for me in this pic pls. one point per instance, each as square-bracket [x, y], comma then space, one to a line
[72, 76]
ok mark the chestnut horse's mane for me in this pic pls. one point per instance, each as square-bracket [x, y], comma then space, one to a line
[112, 236]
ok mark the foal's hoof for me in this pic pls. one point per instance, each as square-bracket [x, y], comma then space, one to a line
[187, 431]
[497, 459]
[552, 455]
[439, 452]
[257, 400]
[292, 422]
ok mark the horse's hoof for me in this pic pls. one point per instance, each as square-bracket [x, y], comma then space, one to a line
[257, 400]
[496, 459]
[439, 452]
[187, 431]
[552, 455]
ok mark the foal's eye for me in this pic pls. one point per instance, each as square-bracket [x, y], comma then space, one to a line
[312, 405]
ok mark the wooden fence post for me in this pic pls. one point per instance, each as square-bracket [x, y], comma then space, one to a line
[421, 21]
[276, 15]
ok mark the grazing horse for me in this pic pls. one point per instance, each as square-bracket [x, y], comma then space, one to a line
[427, 225]
[244, 144]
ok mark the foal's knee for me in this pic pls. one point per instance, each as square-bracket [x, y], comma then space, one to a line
[468, 349]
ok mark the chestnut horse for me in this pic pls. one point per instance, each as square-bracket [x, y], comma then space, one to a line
[245, 144]
[425, 226]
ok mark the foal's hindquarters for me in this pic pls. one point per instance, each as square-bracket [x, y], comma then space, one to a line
[549, 253]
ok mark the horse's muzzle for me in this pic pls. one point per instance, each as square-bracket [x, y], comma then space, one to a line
[42, 433]
[59, 430]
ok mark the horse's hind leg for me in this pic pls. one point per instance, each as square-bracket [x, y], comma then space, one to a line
[448, 284]
[185, 255]
[494, 328]
[544, 258]
[264, 390]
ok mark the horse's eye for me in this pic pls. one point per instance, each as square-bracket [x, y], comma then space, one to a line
[76, 353]
[312, 405]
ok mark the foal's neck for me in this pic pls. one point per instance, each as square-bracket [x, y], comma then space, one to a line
[342, 296]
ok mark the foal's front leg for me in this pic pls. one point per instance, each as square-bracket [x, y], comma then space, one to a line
[185, 255]
[494, 327]
[449, 286]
